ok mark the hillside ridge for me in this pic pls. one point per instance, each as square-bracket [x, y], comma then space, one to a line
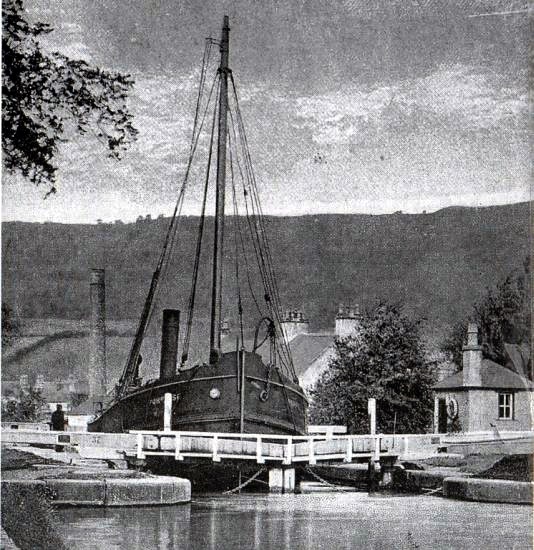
[437, 263]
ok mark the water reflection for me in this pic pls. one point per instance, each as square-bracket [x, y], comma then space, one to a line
[302, 522]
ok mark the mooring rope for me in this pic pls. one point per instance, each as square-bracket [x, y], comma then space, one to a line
[324, 482]
[245, 483]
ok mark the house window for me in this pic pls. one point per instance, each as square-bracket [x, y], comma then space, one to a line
[506, 405]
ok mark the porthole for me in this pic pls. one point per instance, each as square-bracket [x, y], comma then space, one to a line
[215, 393]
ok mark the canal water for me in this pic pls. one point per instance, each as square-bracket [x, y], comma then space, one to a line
[320, 520]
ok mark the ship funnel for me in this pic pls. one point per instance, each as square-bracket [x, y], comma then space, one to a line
[169, 343]
[97, 366]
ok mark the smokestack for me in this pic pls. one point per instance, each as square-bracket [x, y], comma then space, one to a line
[97, 367]
[169, 343]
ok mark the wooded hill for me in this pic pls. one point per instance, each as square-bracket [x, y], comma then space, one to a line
[438, 264]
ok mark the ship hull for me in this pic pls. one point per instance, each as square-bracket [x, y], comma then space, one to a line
[208, 398]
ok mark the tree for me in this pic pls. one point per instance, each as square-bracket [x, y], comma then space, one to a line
[385, 360]
[27, 408]
[503, 316]
[43, 95]
[10, 326]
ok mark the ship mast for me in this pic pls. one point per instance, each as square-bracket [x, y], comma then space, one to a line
[216, 285]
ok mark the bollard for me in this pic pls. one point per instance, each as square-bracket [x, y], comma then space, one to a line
[167, 412]
[373, 476]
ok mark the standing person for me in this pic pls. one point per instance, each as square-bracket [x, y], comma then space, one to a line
[58, 424]
[58, 419]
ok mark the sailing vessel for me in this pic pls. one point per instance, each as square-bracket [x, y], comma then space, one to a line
[236, 390]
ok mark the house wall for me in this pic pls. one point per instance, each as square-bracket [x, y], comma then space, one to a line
[294, 328]
[478, 410]
[462, 423]
[484, 411]
[314, 371]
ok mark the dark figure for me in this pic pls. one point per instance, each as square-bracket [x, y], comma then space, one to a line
[58, 419]
[58, 425]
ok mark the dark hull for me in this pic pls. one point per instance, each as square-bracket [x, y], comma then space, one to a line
[283, 412]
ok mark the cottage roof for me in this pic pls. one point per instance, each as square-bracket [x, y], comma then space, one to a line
[306, 348]
[493, 376]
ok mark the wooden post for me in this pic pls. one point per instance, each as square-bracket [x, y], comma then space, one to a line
[373, 472]
[259, 457]
[276, 480]
[371, 410]
[216, 457]
[289, 451]
[311, 454]
[167, 412]
[289, 480]
[140, 441]
[348, 456]
[177, 447]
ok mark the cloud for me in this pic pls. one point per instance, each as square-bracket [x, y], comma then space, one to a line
[457, 96]
[412, 109]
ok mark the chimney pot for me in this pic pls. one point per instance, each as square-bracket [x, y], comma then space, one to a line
[347, 321]
[294, 323]
[472, 334]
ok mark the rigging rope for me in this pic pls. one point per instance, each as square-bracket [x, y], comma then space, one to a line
[238, 226]
[236, 248]
[191, 303]
[163, 260]
[255, 220]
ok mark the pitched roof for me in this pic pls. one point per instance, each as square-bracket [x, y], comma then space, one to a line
[306, 348]
[493, 376]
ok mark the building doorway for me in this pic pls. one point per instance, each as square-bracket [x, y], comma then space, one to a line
[442, 416]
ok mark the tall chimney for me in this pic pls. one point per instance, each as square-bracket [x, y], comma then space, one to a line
[347, 320]
[169, 343]
[472, 358]
[97, 368]
[294, 323]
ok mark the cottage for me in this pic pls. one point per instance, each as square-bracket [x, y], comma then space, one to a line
[312, 351]
[484, 395]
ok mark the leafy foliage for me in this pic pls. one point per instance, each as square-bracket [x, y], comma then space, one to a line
[385, 360]
[503, 315]
[10, 326]
[27, 408]
[44, 94]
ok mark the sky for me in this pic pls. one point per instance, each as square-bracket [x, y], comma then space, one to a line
[350, 105]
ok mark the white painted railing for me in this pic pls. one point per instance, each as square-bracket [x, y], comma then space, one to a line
[31, 426]
[265, 447]
[261, 448]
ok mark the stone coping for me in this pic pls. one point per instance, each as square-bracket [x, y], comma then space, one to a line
[112, 491]
[488, 490]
